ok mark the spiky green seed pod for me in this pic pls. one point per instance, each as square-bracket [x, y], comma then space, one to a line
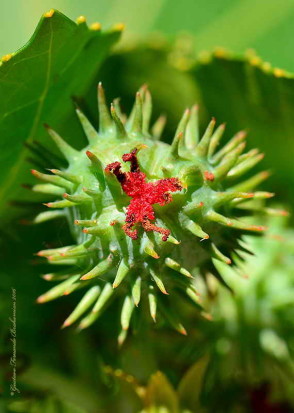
[253, 331]
[143, 226]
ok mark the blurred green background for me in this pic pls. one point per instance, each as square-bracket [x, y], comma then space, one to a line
[266, 25]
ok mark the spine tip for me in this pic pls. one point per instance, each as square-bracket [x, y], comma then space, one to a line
[65, 324]
[208, 176]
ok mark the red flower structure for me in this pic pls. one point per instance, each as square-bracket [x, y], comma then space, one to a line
[144, 195]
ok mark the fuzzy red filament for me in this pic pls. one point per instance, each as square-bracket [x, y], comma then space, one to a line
[144, 195]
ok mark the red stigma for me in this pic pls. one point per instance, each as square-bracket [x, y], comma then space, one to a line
[144, 195]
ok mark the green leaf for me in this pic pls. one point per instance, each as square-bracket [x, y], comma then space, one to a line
[190, 386]
[235, 24]
[37, 85]
[248, 95]
[160, 393]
